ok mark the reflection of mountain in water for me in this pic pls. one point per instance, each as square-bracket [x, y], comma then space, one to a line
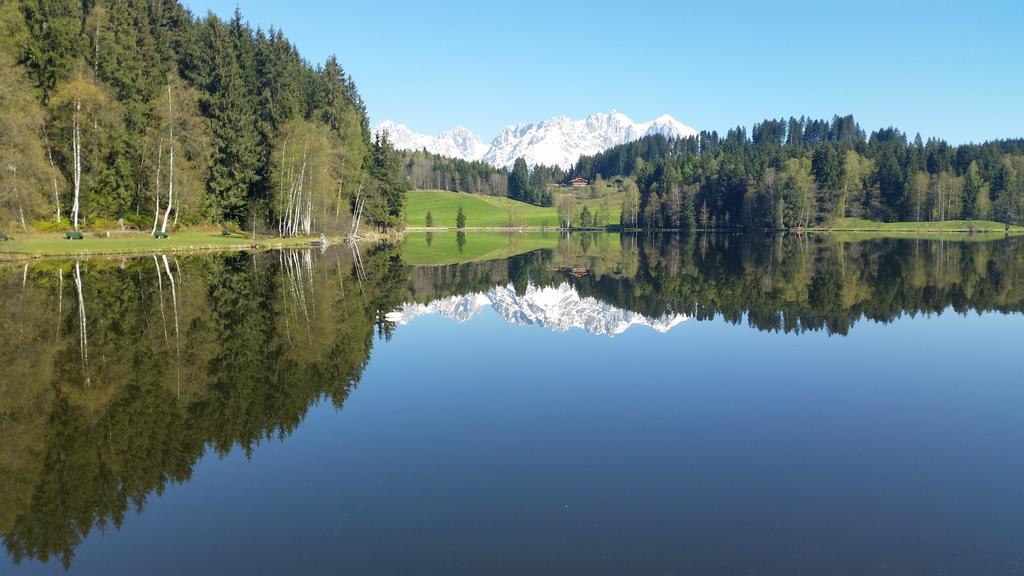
[168, 359]
[556, 308]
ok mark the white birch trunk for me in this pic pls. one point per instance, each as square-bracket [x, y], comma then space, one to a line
[281, 214]
[299, 201]
[53, 177]
[170, 167]
[159, 165]
[76, 148]
[170, 189]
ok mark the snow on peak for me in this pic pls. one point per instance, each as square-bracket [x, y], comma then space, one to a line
[458, 142]
[557, 308]
[559, 140]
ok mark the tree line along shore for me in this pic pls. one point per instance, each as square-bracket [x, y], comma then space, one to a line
[144, 119]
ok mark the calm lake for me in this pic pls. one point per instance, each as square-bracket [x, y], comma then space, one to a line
[523, 404]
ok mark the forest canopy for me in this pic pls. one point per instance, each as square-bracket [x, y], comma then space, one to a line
[122, 112]
[802, 172]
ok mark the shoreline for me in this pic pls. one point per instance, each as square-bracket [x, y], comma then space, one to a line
[881, 228]
[43, 245]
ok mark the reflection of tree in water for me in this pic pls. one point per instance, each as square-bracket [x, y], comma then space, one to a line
[163, 317]
[77, 453]
[260, 338]
[775, 283]
[83, 329]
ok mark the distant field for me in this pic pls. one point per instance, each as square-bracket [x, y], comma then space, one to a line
[481, 211]
[54, 244]
[858, 225]
[494, 212]
[444, 247]
[608, 206]
[854, 229]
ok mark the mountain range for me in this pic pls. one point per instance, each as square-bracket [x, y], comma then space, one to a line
[556, 308]
[558, 141]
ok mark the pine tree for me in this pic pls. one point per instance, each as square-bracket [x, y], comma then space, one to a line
[460, 218]
[975, 192]
[585, 218]
[53, 41]
[519, 181]
[387, 189]
[236, 160]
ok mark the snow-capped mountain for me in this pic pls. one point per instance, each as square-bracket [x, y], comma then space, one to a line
[557, 141]
[555, 308]
[561, 141]
[458, 142]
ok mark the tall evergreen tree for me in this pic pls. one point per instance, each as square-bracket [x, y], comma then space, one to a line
[53, 40]
[236, 159]
[519, 181]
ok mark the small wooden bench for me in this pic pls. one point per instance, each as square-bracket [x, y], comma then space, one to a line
[74, 235]
[159, 235]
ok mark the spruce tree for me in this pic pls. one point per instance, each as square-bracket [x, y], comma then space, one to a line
[519, 181]
[53, 41]
[236, 160]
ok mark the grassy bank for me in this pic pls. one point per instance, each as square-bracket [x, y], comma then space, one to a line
[443, 247]
[977, 226]
[54, 244]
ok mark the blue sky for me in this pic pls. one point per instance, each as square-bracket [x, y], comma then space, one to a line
[949, 69]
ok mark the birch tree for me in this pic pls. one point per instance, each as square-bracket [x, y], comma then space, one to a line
[311, 174]
[798, 183]
[170, 159]
[183, 141]
[85, 117]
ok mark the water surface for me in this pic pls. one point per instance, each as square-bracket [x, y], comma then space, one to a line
[602, 404]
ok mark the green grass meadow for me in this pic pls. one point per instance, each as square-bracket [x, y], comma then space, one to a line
[496, 212]
[860, 225]
[854, 229]
[481, 211]
[53, 243]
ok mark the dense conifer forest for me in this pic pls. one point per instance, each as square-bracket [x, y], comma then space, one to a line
[803, 172]
[137, 113]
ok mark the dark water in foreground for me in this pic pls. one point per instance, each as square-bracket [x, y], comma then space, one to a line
[642, 405]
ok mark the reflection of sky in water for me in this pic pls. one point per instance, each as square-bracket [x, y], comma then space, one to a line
[729, 445]
[470, 446]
